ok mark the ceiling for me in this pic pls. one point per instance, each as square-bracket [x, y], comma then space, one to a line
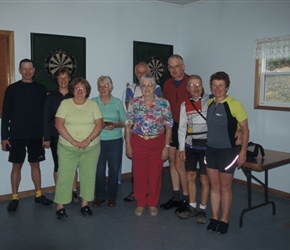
[179, 2]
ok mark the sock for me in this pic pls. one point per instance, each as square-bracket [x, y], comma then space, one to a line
[74, 190]
[176, 195]
[15, 197]
[202, 207]
[193, 204]
[185, 197]
[38, 193]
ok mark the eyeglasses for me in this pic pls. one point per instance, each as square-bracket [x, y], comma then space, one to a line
[80, 88]
[195, 85]
[103, 86]
[174, 67]
[150, 85]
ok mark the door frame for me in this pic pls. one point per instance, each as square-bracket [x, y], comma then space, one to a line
[9, 62]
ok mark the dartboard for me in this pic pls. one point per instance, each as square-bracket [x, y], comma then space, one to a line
[157, 67]
[59, 59]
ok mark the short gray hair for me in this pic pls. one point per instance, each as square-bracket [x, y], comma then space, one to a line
[152, 78]
[107, 80]
[142, 64]
[193, 77]
[176, 56]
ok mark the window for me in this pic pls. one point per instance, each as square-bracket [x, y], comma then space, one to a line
[272, 83]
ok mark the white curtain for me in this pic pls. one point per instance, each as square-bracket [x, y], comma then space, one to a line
[272, 48]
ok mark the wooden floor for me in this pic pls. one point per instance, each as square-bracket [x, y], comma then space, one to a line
[34, 226]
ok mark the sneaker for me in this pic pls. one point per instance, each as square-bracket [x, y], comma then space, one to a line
[212, 226]
[61, 214]
[183, 205]
[170, 204]
[75, 197]
[43, 200]
[13, 205]
[222, 227]
[86, 211]
[189, 212]
[201, 216]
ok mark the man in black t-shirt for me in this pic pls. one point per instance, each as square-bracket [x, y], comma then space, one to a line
[22, 130]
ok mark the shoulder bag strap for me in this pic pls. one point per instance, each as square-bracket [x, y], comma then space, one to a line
[197, 110]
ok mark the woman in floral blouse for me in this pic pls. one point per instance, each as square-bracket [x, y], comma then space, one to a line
[148, 134]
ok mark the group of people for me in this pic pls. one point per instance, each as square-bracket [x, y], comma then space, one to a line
[195, 128]
[78, 130]
[211, 131]
[182, 124]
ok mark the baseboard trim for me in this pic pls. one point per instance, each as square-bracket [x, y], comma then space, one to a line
[28, 193]
[281, 194]
[272, 191]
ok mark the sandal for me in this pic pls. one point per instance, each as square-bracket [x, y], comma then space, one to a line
[130, 197]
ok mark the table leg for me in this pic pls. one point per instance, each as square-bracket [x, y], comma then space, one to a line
[266, 187]
[249, 176]
[247, 173]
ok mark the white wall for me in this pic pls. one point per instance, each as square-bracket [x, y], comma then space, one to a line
[220, 37]
[211, 36]
[110, 29]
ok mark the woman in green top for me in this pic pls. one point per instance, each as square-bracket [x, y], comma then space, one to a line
[111, 142]
[79, 122]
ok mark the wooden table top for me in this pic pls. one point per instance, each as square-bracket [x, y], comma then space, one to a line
[272, 159]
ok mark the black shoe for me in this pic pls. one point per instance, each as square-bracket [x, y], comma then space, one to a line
[13, 205]
[170, 204]
[86, 211]
[212, 226]
[43, 200]
[130, 197]
[222, 227]
[183, 206]
[61, 214]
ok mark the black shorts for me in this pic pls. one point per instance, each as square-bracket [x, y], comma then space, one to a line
[222, 159]
[34, 148]
[193, 157]
[174, 139]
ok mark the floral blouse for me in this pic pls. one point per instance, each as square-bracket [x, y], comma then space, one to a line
[149, 121]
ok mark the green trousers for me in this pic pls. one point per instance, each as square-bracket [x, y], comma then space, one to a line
[70, 158]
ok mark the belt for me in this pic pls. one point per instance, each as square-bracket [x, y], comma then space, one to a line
[148, 137]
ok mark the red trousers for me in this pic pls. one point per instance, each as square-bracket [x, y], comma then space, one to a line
[147, 169]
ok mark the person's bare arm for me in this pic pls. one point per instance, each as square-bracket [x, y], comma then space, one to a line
[99, 124]
[5, 145]
[165, 151]
[129, 149]
[245, 138]
[59, 124]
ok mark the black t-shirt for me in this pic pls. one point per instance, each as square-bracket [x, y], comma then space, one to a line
[22, 112]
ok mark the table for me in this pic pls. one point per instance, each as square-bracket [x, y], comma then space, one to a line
[272, 159]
